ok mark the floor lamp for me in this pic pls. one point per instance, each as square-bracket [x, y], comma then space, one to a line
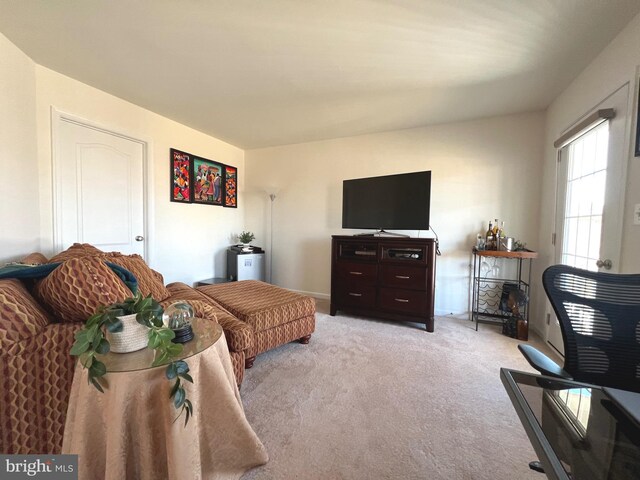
[272, 197]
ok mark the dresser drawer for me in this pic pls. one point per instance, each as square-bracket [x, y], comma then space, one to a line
[404, 301]
[356, 296]
[386, 277]
[360, 273]
[401, 276]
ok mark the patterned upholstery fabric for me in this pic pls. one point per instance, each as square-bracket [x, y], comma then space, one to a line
[182, 291]
[201, 308]
[20, 316]
[238, 335]
[75, 251]
[261, 305]
[274, 337]
[35, 380]
[76, 289]
[35, 258]
[36, 370]
[150, 282]
[277, 316]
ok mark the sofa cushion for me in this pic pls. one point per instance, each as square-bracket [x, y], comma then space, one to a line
[77, 287]
[150, 282]
[35, 258]
[20, 315]
[75, 251]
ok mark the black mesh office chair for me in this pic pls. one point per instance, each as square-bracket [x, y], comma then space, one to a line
[599, 314]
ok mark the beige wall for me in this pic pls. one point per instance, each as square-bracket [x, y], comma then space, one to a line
[19, 214]
[480, 170]
[187, 241]
[616, 66]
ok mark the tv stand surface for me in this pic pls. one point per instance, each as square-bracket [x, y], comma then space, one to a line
[381, 233]
[392, 278]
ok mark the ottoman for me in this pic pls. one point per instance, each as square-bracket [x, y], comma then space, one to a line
[276, 315]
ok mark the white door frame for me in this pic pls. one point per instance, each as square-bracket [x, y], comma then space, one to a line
[59, 116]
[618, 220]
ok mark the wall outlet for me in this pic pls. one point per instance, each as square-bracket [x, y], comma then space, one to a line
[636, 214]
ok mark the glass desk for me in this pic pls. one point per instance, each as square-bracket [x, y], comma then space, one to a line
[577, 432]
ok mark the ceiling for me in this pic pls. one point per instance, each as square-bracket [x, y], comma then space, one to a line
[264, 73]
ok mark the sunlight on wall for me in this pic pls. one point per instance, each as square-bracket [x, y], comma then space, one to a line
[480, 170]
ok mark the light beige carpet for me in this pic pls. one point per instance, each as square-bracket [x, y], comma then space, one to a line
[369, 399]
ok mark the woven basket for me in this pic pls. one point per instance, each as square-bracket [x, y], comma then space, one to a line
[133, 336]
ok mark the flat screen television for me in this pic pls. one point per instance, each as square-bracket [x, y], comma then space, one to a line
[394, 202]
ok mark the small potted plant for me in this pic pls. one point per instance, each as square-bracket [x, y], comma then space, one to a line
[93, 340]
[246, 238]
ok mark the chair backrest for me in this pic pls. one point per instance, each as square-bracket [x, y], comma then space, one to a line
[599, 314]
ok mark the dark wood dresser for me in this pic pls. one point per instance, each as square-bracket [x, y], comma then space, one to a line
[386, 277]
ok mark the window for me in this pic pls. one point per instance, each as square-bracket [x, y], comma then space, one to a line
[585, 195]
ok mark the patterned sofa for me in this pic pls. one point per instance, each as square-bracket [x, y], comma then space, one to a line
[38, 320]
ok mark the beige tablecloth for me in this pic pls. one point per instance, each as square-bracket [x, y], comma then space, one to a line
[129, 431]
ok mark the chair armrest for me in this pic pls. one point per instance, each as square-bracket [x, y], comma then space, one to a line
[239, 335]
[542, 363]
[182, 291]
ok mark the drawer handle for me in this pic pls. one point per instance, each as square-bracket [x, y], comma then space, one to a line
[402, 300]
[403, 277]
[355, 273]
[355, 294]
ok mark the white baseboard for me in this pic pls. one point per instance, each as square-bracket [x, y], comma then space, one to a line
[449, 313]
[319, 296]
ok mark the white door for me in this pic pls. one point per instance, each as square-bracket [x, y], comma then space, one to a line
[98, 188]
[590, 194]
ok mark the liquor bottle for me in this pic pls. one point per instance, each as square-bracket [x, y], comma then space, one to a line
[489, 238]
[522, 329]
[500, 237]
[496, 228]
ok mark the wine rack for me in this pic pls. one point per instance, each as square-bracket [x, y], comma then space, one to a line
[488, 287]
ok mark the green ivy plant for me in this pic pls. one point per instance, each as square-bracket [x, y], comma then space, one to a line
[91, 341]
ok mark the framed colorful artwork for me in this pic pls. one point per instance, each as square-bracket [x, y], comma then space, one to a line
[208, 187]
[230, 186]
[180, 176]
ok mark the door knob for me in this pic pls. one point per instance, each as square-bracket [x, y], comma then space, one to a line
[139, 238]
[606, 264]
